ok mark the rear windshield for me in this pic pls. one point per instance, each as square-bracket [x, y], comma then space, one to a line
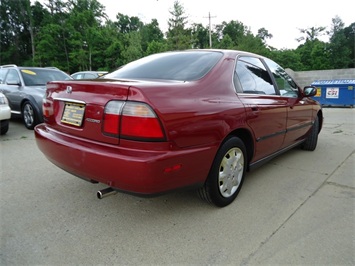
[38, 77]
[183, 66]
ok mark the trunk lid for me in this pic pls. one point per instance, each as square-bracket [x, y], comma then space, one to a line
[77, 107]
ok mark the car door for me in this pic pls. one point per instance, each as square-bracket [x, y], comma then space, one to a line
[266, 111]
[11, 87]
[299, 113]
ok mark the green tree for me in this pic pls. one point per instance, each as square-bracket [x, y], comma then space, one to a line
[339, 53]
[48, 47]
[133, 49]
[17, 39]
[77, 35]
[151, 32]
[84, 22]
[53, 34]
[264, 34]
[126, 24]
[156, 47]
[311, 34]
[287, 58]
[112, 46]
[200, 36]
[40, 17]
[225, 43]
[235, 35]
[350, 42]
[252, 44]
[235, 29]
[178, 36]
[314, 55]
[320, 56]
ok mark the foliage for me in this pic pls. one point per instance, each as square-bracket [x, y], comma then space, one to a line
[339, 55]
[76, 35]
[287, 58]
[15, 31]
[178, 37]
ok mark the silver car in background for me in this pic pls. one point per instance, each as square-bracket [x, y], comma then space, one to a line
[25, 87]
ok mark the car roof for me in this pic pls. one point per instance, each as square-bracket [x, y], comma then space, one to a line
[27, 67]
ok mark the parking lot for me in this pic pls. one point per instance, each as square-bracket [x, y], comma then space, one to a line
[299, 209]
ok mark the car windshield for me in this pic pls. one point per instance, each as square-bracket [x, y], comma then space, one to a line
[37, 77]
[182, 66]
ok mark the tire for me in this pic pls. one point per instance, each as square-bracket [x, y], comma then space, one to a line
[226, 175]
[29, 115]
[4, 127]
[310, 143]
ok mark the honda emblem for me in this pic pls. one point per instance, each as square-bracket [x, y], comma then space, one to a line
[69, 89]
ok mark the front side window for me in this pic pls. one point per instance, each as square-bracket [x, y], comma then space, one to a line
[285, 84]
[2, 75]
[13, 76]
[252, 77]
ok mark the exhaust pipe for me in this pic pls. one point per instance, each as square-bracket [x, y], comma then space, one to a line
[105, 192]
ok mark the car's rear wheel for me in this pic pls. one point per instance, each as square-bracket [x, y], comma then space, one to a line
[226, 175]
[311, 142]
[29, 115]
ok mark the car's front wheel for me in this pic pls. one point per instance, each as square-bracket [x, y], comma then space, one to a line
[226, 174]
[29, 115]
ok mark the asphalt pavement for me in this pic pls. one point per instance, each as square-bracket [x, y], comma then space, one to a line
[298, 209]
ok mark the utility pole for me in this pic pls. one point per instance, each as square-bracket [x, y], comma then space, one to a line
[209, 19]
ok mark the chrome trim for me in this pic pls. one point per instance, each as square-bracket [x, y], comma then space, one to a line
[105, 192]
[69, 89]
[282, 132]
[68, 100]
[15, 112]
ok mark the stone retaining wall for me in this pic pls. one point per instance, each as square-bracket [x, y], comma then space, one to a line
[304, 78]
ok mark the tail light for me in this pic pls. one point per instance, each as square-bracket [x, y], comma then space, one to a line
[112, 117]
[132, 120]
[47, 108]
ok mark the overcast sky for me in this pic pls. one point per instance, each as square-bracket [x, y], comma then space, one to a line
[281, 18]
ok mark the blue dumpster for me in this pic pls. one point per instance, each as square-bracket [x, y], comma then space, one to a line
[337, 92]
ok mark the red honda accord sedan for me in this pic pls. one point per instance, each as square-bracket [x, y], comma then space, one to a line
[195, 118]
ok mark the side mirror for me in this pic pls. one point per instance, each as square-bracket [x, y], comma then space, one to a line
[309, 91]
[14, 82]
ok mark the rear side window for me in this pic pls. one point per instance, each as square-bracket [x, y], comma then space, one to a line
[78, 76]
[251, 76]
[182, 66]
[90, 76]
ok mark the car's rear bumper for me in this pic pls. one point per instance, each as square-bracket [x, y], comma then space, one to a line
[133, 170]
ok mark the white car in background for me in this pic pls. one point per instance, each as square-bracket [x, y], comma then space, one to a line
[5, 114]
[88, 74]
